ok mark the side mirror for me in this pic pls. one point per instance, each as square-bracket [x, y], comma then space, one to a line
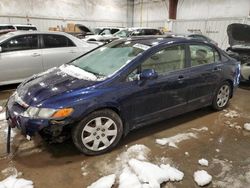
[1, 49]
[148, 74]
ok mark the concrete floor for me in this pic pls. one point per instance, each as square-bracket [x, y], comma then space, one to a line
[225, 145]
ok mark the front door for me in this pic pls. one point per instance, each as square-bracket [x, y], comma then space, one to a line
[20, 58]
[160, 98]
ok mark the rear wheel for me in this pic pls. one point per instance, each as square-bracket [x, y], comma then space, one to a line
[222, 96]
[98, 132]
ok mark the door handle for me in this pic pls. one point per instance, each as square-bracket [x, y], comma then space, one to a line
[35, 54]
[216, 69]
[180, 77]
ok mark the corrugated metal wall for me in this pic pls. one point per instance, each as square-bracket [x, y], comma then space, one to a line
[213, 28]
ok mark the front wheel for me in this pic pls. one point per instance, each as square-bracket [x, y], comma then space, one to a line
[222, 96]
[98, 132]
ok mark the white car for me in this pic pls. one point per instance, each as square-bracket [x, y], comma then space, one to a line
[239, 41]
[24, 53]
[104, 34]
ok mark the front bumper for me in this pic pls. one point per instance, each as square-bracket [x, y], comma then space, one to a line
[28, 126]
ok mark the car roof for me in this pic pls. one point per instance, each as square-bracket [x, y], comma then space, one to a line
[152, 40]
[25, 25]
[21, 32]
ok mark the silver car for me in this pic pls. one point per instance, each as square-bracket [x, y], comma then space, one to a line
[23, 54]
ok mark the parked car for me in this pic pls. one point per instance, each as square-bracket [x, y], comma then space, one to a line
[25, 27]
[23, 54]
[137, 31]
[124, 85]
[239, 41]
[6, 28]
[196, 36]
[104, 34]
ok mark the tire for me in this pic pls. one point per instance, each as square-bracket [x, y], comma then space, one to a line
[98, 132]
[222, 96]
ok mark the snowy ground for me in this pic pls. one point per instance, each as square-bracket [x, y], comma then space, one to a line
[188, 151]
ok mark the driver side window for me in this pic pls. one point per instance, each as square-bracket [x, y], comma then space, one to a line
[166, 60]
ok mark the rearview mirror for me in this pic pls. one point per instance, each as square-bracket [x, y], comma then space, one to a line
[148, 74]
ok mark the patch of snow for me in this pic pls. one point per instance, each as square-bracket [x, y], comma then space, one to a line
[104, 182]
[247, 126]
[153, 174]
[232, 114]
[84, 167]
[238, 127]
[11, 171]
[186, 153]
[129, 179]
[2, 116]
[201, 177]
[200, 129]
[45, 72]
[1, 108]
[203, 162]
[217, 150]
[77, 72]
[172, 141]
[14, 182]
[173, 173]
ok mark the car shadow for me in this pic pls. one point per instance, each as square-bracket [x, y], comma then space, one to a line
[67, 148]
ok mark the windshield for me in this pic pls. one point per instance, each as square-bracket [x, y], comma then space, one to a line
[122, 33]
[106, 60]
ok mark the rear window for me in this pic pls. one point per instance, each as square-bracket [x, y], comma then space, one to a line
[3, 27]
[26, 28]
[57, 41]
[203, 54]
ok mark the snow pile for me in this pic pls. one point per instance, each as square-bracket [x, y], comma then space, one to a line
[11, 171]
[247, 126]
[203, 162]
[129, 179]
[134, 170]
[14, 182]
[232, 114]
[172, 141]
[154, 175]
[104, 182]
[2, 116]
[201, 129]
[201, 177]
[77, 72]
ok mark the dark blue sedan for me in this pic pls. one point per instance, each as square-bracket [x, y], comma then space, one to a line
[102, 95]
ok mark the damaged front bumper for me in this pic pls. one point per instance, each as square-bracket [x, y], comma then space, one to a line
[28, 126]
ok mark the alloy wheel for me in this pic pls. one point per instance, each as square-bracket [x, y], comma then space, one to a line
[99, 133]
[223, 96]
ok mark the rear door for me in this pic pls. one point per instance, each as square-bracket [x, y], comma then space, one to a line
[162, 97]
[20, 58]
[205, 74]
[57, 50]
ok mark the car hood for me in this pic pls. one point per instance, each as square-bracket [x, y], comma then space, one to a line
[239, 35]
[48, 84]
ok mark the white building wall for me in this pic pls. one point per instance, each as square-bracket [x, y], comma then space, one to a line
[50, 13]
[206, 9]
[150, 13]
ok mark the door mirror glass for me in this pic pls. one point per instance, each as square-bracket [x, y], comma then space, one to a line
[148, 74]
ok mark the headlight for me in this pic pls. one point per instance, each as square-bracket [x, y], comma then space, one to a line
[46, 113]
